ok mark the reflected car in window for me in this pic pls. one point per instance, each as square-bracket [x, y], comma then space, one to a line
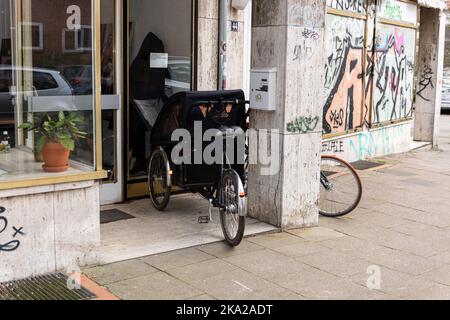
[46, 83]
[79, 77]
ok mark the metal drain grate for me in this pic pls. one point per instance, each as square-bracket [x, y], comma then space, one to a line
[366, 165]
[47, 287]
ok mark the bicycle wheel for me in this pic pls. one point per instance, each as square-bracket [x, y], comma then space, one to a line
[341, 187]
[159, 179]
[232, 215]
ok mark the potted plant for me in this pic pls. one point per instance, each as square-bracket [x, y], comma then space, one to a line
[57, 139]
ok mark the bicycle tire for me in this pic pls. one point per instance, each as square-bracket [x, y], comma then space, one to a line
[235, 203]
[159, 169]
[355, 180]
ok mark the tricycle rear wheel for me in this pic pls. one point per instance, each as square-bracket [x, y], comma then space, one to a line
[159, 179]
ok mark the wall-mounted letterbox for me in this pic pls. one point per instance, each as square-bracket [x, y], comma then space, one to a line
[263, 89]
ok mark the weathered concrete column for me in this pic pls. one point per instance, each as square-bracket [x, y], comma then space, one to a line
[289, 35]
[430, 71]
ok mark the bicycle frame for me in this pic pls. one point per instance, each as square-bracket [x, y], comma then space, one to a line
[325, 182]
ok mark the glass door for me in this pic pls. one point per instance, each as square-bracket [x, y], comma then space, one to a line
[160, 50]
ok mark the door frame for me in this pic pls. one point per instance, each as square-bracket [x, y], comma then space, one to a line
[138, 187]
[113, 191]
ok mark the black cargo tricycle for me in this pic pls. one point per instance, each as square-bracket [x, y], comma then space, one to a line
[220, 183]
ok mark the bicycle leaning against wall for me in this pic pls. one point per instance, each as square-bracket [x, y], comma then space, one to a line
[340, 187]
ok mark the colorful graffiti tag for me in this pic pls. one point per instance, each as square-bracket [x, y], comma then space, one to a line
[386, 71]
[394, 74]
[343, 74]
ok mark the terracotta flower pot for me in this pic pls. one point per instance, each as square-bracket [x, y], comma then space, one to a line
[56, 157]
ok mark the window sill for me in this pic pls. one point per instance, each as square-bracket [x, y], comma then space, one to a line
[52, 180]
[18, 169]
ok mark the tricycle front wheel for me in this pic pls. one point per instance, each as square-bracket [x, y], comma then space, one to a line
[159, 179]
[234, 207]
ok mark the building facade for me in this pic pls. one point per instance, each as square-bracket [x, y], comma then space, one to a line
[356, 78]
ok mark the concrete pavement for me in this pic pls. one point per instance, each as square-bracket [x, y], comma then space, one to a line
[397, 242]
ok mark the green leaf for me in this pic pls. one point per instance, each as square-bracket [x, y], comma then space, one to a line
[40, 144]
[68, 143]
[26, 126]
[61, 116]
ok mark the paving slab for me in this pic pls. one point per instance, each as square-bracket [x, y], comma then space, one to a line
[202, 270]
[337, 263]
[301, 249]
[120, 271]
[156, 286]
[242, 285]
[267, 264]
[441, 276]
[223, 250]
[436, 292]
[275, 240]
[176, 259]
[317, 234]
[396, 284]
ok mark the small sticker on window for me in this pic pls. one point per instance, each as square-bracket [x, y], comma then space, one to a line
[159, 60]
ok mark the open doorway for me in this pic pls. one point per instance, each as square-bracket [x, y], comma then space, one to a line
[160, 55]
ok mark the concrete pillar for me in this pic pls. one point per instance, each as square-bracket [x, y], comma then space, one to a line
[289, 35]
[430, 72]
[208, 44]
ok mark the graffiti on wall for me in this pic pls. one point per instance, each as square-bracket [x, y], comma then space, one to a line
[303, 125]
[357, 6]
[387, 71]
[13, 243]
[393, 74]
[425, 82]
[384, 141]
[333, 147]
[343, 74]
[370, 144]
[398, 11]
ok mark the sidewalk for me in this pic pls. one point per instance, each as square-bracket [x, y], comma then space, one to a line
[402, 227]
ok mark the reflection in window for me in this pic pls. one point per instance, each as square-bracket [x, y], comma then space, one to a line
[42, 79]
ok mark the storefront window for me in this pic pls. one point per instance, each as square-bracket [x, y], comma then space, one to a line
[344, 83]
[369, 70]
[46, 79]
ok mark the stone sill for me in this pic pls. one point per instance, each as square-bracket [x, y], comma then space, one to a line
[52, 184]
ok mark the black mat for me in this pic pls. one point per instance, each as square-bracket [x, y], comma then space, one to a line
[366, 165]
[114, 215]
